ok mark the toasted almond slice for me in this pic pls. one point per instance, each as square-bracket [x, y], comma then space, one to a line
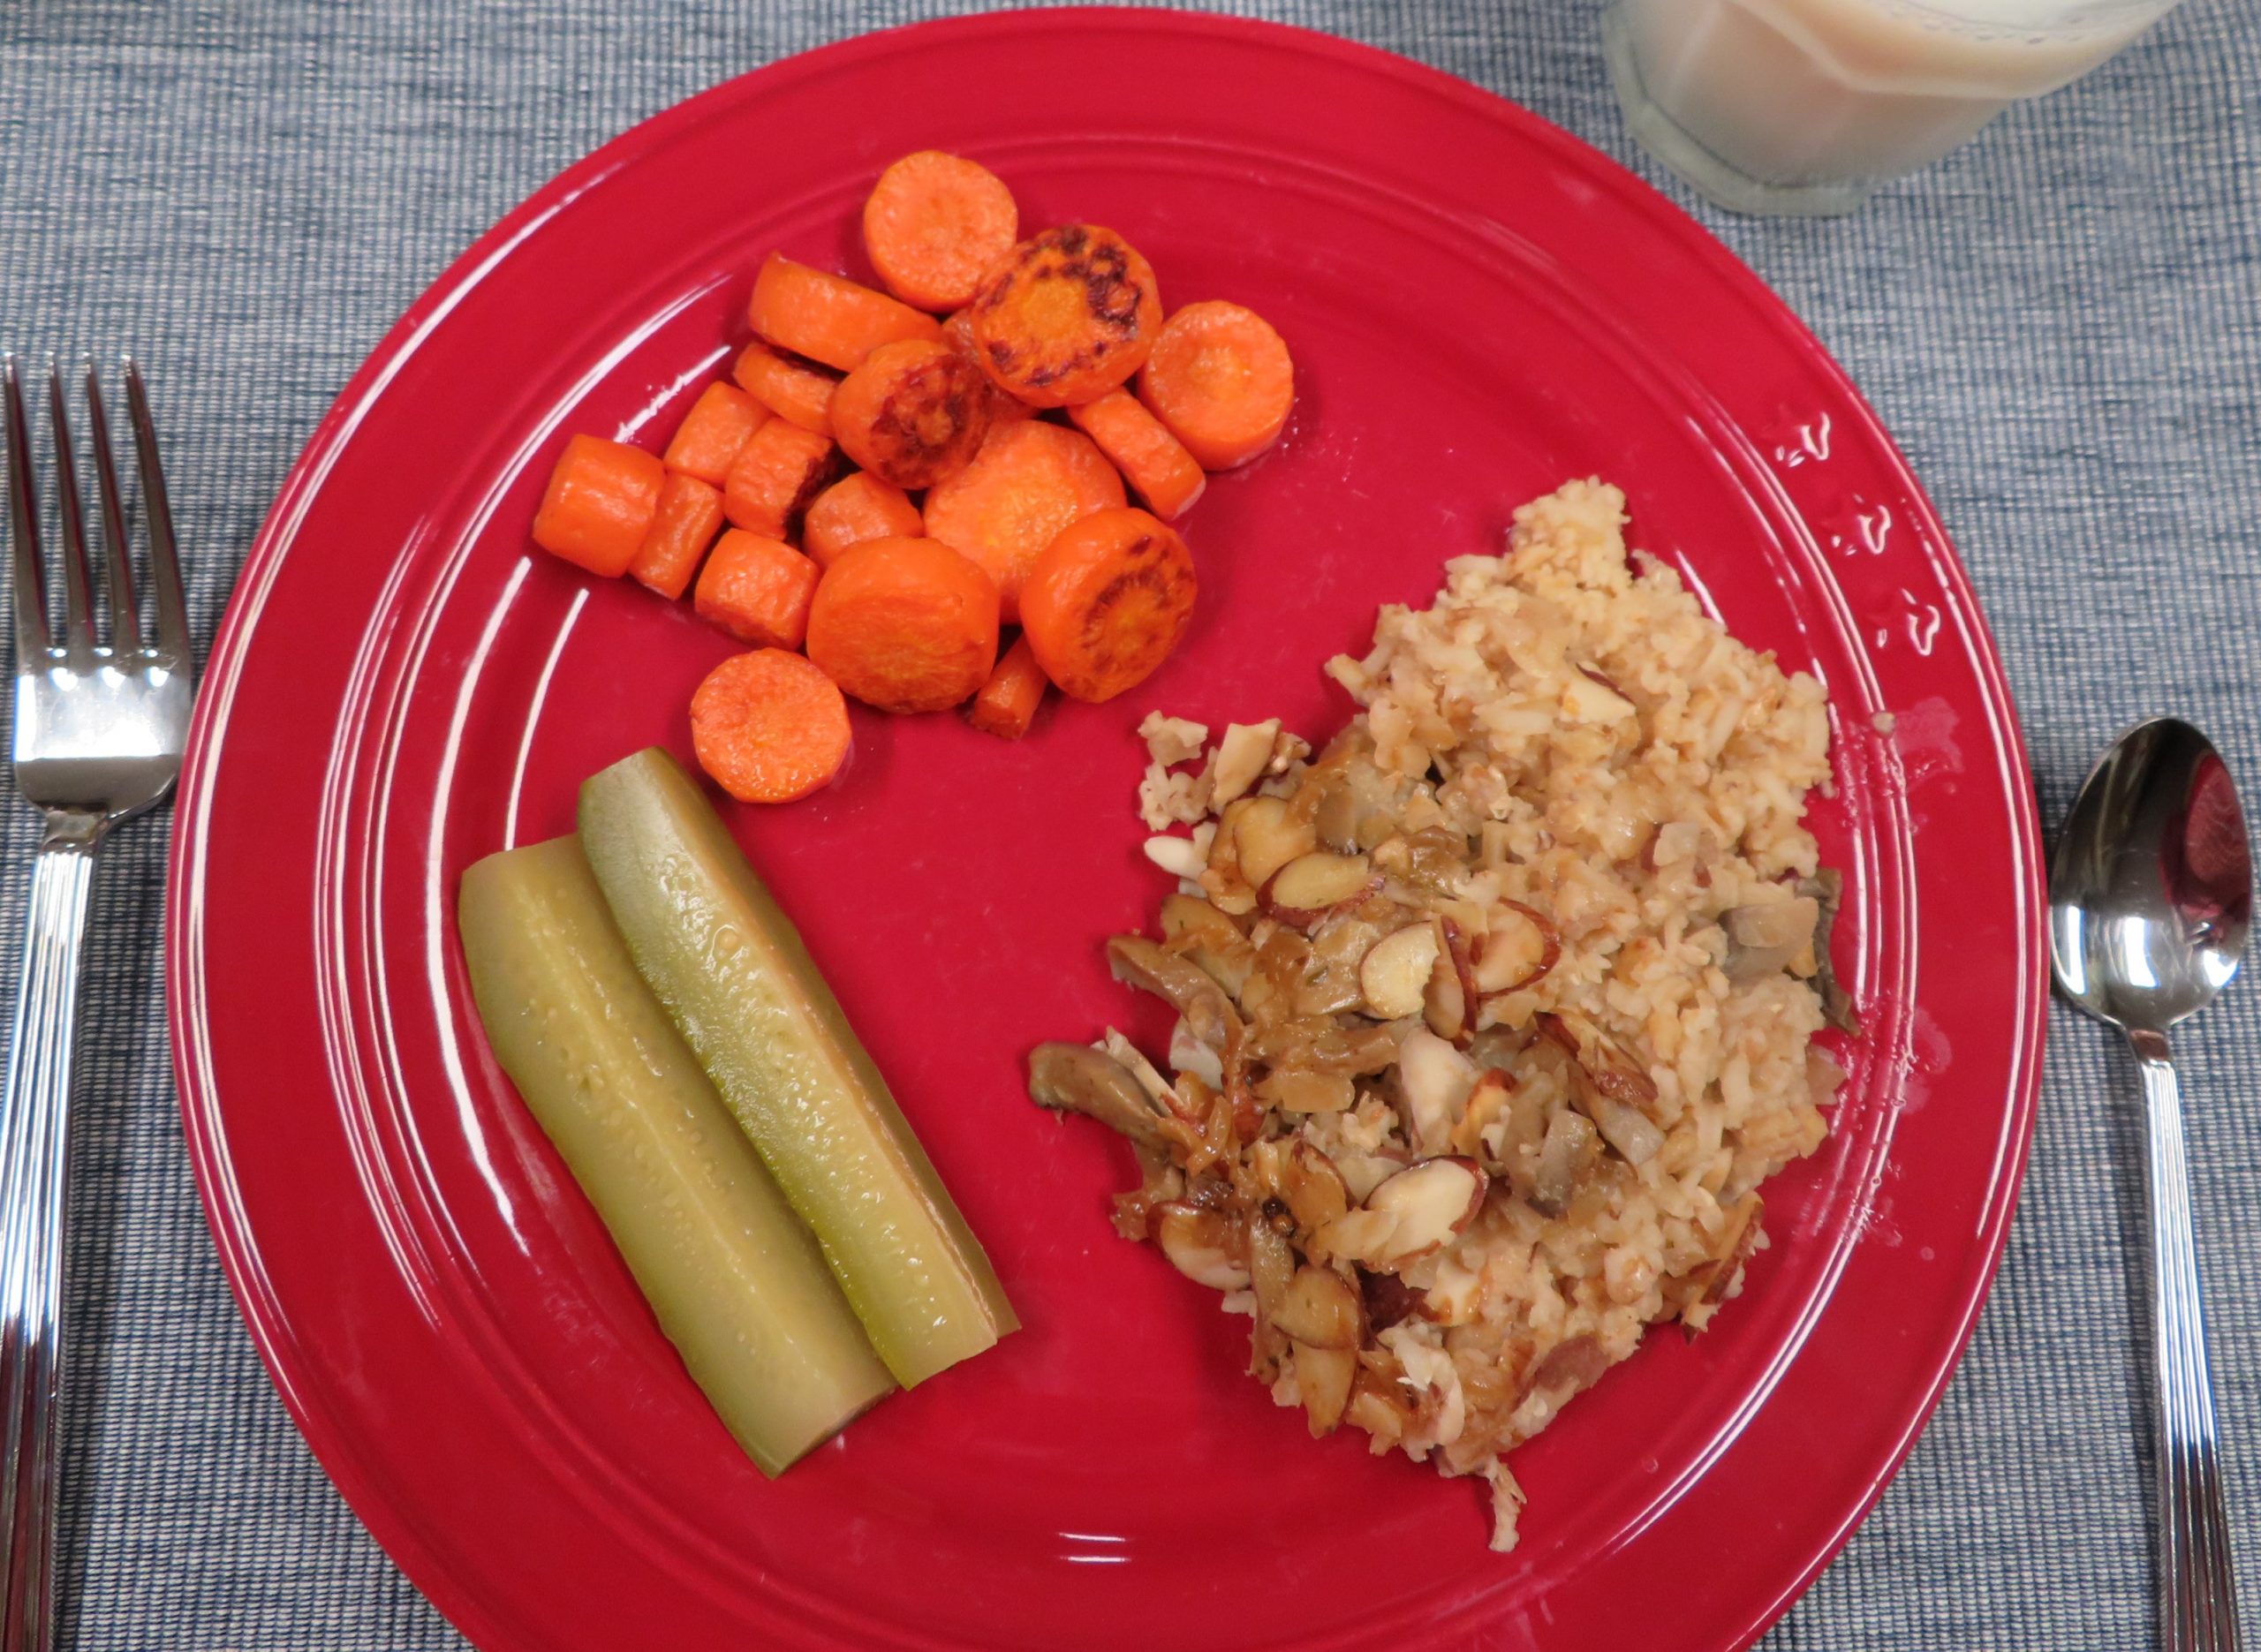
[1519, 948]
[1265, 837]
[1433, 1082]
[1431, 1202]
[1294, 1090]
[1314, 1190]
[1242, 755]
[1308, 888]
[1394, 976]
[1323, 1378]
[1179, 856]
[1199, 1244]
[1319, 1308]
[1358, 1236]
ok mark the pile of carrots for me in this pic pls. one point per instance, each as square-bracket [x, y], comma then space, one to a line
[891, 480]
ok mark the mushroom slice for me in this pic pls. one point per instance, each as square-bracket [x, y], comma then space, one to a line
[1185, 986]
[1076, 1078]
[1296, 1090]
[1314, 1190]
[1321, 1309]
[1770, 936]
[1199, 1244]
[1568, 1147]
[1324, 1378]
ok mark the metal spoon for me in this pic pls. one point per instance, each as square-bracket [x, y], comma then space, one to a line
[2149, 893]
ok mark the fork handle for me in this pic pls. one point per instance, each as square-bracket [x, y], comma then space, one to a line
[2197, 1587]
[33, 1160]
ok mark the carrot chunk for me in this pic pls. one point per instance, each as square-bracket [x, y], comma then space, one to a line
[712, 433]
[935, 223]
[907, 625]
[1221, 378]
[1008, 701]
[1003, 405]
[758, 589]
[913, 413]
[857, 508]
[1107, 601]
[689, 517]
[828, 318]
[599, 505]
[1068, 315]
[1153, 462]
[1028, 481]
[768, 727]
[787, 386]
[781, 468]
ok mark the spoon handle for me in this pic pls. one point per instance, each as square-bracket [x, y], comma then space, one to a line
[2197, 1590]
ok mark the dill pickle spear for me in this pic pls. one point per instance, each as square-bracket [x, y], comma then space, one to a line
[742, 988]
[735, 1280]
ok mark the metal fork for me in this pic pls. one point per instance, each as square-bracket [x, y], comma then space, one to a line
[99, 733]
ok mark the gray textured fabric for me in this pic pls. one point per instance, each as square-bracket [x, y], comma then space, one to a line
[2062, 325]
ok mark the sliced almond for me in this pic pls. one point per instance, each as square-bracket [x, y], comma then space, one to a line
[1265, 837]
[1271, 1265]
[1189, 1054]
[1319, 1308]
[1324, 1378]
[1179, 856]
[1199, 1244]
[1240, 758]
[1586, 698]
[1358, 1236]
[1293, 1090]
[1197, 928]
[1452, 1299]
[1394, 974]
[1520, 946]
[1430, 1203]
[1314, 1190]
[1432, 1081]
[1305, 889]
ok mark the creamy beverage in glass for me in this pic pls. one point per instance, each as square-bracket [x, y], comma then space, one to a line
[1804, 105]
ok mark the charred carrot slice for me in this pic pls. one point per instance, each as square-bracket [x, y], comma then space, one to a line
[781, 468]
[1068, 315]
[787, 386]
[1007, 703]
[933, 225]
[907, 625]
[768, 727]
[712, 433]
[857, 508]
[689, 517]
[1221, 378]
[599, 505]
[828, 318]
[1028, 481]
[913, 413]
[1153, 462]
[758, 589]
[1003, 405]
[1107, 601]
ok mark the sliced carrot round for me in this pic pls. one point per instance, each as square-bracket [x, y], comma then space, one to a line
[1028, 480]
[768, 727]
[599, 505]
[781, 468]
[913, 413]
[1221, 378]
[857, 508]
[907, 625]
[1153, 462]
[1067, 315]
[1004, 406]
[797, 391]
[933, 223]
[757, 589]
[1107, 601]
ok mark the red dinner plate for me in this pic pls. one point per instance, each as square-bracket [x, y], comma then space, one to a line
[1480, 308]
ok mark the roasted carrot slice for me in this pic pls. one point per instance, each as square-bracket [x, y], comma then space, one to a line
[793, 388]
[1028, 481]
[758, 589]
[1008, 701]
[768, 727]
[857, 508]
[828, 318]
[1068, 315]
[935, 223]
[599, 505]
[781, 468]
[1153, 462]
[1222, 379]
[913, 413]
[907, 625]
[1107, 601]
[689, 517]
[1003, 405]
[712, 433]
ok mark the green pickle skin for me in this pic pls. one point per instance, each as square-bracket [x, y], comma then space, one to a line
[734, 975]
[736, 1282]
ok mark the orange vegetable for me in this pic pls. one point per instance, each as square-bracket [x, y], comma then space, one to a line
[599, 505]
[1028, 481]
[1153, 462]
[689, 517]
[1003, 405]
[1008, 701]
[1221, 378]
[1107, 601]
[933, 225]
[907, 625]
[768, 727]
[781, 468]
[1068, 315]
[758, 589]
[787, 386]
[828, 318]
[712, 433]
[857, 508]
[913, 413]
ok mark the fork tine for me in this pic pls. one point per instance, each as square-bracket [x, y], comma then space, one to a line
[78, 596]
[23, 522]
[125, 614]
[165, 562]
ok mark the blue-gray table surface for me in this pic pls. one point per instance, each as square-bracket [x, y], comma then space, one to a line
[2061, 324]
